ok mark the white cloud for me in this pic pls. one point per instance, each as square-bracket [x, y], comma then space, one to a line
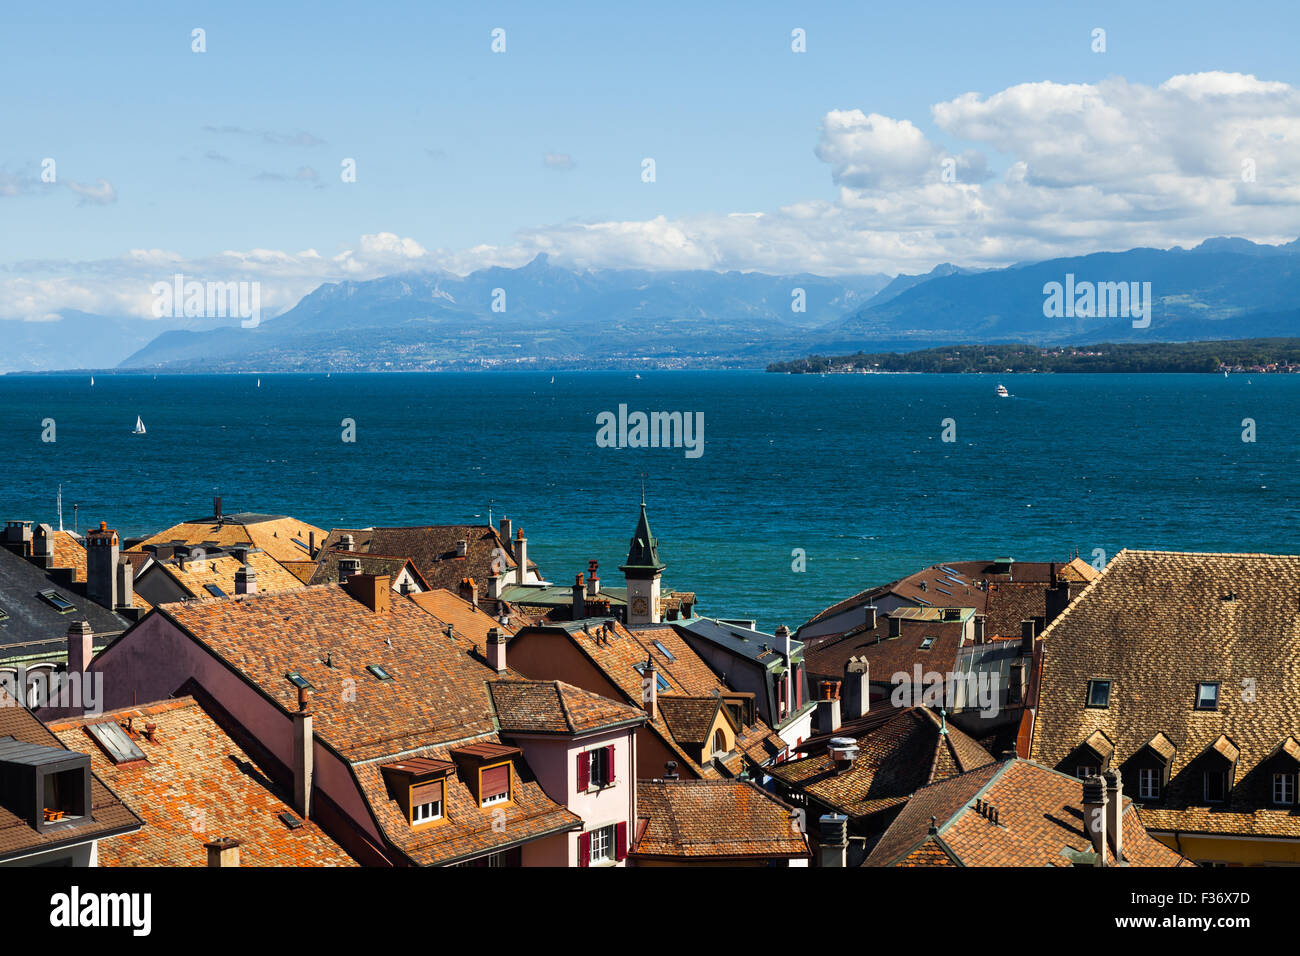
[1084, 167]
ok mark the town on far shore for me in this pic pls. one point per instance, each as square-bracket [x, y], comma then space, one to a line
[248, 689]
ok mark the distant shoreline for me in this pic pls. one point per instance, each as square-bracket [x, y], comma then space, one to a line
[1242, 356]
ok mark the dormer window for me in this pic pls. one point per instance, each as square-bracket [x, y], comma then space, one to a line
[1207, 695]
[426, 812]
[719, 743]
[1149, 784]
[419, 785]
[494, 785]
[1215, 784]
[1099, 693]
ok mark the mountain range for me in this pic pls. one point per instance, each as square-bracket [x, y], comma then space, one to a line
[542, 315]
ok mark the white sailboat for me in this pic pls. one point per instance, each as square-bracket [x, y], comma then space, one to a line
[139, 426]
[92, 380]
[1002, 392]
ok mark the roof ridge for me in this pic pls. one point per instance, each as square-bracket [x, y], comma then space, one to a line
[564, 708]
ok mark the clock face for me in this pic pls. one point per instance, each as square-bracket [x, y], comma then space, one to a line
[639, 605]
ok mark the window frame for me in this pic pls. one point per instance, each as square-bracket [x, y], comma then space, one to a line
[508, 796]
[1288, 781]
[1097, 682]
[1222, 777]
[1146, 774]
[609, 834]
[1200, 684]
[418, 821]
[1091, 771]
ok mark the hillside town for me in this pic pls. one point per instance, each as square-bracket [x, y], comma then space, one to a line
[245, 689]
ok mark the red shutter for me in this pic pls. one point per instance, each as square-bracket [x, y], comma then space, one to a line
[584, 849]
[609, 764]
[620, 841]
[584, 779]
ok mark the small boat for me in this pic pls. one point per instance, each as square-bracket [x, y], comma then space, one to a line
[1002, 392]
[638, 374]
[552, 379]
[139, 426]
[1225, 375]
[92, 380]
[259, 383]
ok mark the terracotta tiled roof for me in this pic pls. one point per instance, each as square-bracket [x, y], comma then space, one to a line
[895, 759]
[929, 853]
[433, 549]
[438, 695]
[327, 566]
[690, 719]
[109, 816]
[274, 534]
[302, 570]
[718, 819]
[554, 707]
[197, 785]
[219, 571]
[622, 651]
[69, 553]
[1040, 819]
[887, 655]
[1156, 624]
[470, 622]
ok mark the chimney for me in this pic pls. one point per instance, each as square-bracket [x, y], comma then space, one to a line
[1115, 813]
[346, 542]
[834, 839]
[670, 770]
[593, 580]
[895, 626]
[980, 621]
[521, 557]
[468, 591]
[871, 617]
[223, 851]
[245, 580]
[1058, 596]
[506, 529]
[1028, 631]
[43, 547]
[843, 750]
[1094, 816]
[240, 552]
[125, 584]
[347, 568]
[496, 586]
[496, 649]
[650, 689]
[80, 646]
[375, 591]
[579, 598]
[462, 548]
[216, 509]
[857, 688]
[828, 708]
[18, 537]
[101, 566]
[311, 544]
[302, 754]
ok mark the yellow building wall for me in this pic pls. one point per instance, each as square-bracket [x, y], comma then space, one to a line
[1212, 849]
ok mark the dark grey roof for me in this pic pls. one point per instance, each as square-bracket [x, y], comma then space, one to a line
[31, 625]
[17, 751]
[742, 641]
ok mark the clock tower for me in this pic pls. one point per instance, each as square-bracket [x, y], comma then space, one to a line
[642, 571]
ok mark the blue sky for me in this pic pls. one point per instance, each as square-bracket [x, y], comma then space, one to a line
[183, 156]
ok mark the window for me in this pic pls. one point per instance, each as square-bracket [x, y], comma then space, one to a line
[1216, 786]
[113, 738]
[214, 590]
[664, 651]
[297, 680]
[379, 672]
[1284, 788]
[602, 845]
[1148, 784]
[1099, 693]
[426, 812]
[659, 678]
[1083, 771]
[927, 643]
[719, 742]
[1207, 696]
[494, 785]
[599, 766]
[57, 601]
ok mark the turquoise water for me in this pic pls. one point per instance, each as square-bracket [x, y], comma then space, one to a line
[851, 469]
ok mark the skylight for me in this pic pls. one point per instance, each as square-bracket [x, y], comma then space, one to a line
[214, 590]
[1207, 696]
[379, 672]
[113, 738]
[664, 651]
[1099, 693]
[57, 601]
[927, 643]
[297, 680]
